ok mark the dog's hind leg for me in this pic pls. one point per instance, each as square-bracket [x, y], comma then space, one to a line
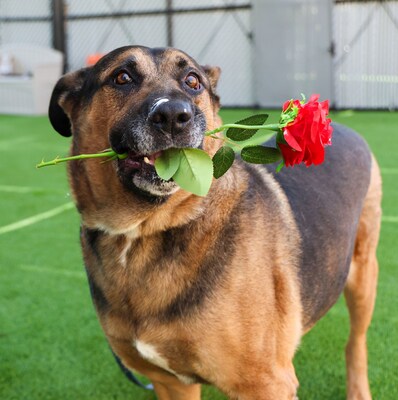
[360, 290]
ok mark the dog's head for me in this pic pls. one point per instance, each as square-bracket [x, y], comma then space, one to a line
[138, 101]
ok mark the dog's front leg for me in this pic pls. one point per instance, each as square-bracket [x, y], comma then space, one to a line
[166, 384]
[176, 391]
[281, 384]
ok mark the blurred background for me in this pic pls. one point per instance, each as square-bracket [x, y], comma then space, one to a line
[269, 50]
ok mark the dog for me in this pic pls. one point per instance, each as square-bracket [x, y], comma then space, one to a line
[216, 289]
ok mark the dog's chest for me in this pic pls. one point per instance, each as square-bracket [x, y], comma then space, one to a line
[151, 353]
[161, 345]
[127, 312]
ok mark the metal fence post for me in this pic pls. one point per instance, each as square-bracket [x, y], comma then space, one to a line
[169, 11]
[58, 28]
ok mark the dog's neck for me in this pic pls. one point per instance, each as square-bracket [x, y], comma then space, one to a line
[145, 219]
[178, 210]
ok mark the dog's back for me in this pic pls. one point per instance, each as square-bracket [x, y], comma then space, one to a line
[327, 201]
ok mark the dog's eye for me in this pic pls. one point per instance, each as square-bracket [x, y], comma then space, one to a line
[192, 81]
[123, 78]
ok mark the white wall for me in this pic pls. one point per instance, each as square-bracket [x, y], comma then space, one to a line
[366, 62]
[292, 49]
[290, 53]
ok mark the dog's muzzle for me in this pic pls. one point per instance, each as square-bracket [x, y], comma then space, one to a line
[160, 124]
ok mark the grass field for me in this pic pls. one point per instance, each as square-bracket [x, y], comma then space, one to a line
[51, 345]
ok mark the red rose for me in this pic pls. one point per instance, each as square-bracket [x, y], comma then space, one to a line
[306, 136]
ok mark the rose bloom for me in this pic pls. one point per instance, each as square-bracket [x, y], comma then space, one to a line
[308, 134]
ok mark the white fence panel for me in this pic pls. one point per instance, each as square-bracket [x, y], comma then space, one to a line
[366, 61]
[347, 51]
[292, 49]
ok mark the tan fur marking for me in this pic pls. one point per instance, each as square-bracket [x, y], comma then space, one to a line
[143, 60]
[360, 290]
[283, 285]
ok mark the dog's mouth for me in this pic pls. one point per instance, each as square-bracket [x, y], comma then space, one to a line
[137, 162]
[137, 173]
[143, 147]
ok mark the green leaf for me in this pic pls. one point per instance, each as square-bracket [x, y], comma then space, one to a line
[260, 154]
[195, 172]
[240, 134]
[289, 115]
[167, 164]
[222, 161]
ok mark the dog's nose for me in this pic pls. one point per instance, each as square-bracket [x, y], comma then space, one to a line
[171, 116]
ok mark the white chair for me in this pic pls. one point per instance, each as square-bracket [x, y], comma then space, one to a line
[35, 71]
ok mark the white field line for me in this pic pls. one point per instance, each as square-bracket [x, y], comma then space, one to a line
[18, 189]
[36, 218]
[388, 171]
[389, 218]
[46, 270]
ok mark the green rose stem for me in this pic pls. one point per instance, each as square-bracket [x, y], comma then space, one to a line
[57, 160]
[113, 155]
[270, 127]
[193, 169]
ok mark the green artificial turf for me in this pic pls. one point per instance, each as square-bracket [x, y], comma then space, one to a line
[51, 345]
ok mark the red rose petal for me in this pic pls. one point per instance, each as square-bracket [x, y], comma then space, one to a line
[290, 139]
[306, 136]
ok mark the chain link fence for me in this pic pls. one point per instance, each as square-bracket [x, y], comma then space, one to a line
[214, 32]
[25, 21]
[363, 49]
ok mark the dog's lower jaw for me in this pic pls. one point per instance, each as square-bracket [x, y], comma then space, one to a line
[151, 189]
[144, 182]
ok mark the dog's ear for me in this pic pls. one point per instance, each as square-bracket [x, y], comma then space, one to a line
[65, 95]
[213, 73]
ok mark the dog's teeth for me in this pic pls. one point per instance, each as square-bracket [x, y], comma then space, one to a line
[146, 160]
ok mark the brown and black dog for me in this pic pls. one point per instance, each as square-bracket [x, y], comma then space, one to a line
[216, 289]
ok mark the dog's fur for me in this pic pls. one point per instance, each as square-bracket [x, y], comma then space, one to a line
[216, 289]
